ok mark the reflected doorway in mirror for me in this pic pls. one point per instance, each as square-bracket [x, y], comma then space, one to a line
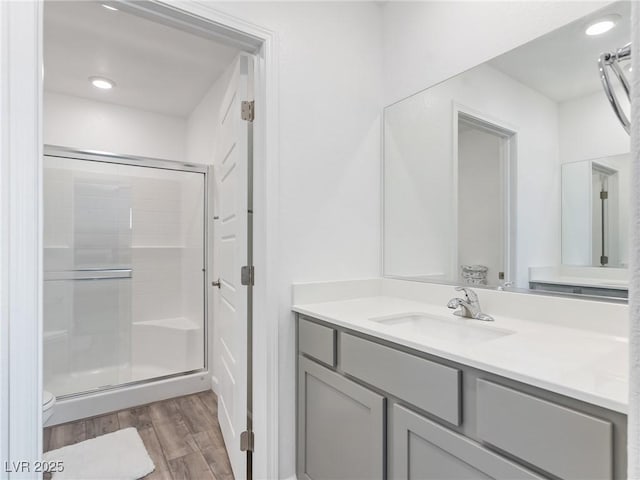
[484, 163]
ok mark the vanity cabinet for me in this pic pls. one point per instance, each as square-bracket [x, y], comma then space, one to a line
[340, 426]
[422, 449]
[562, 441]
[372, 409]
[437, 391]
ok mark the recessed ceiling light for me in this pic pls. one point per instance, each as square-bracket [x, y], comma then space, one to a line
[109, 7]
[602, 25]
[102, 83]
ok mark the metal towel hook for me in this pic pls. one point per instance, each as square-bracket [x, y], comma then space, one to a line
[611, 60]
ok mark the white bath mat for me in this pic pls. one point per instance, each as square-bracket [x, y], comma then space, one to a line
[119, 455]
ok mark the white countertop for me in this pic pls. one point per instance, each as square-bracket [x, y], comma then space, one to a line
[583, 282]
[595, 277]
[583, 364]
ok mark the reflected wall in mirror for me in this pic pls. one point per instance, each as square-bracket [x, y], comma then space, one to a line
[595, 212]
[494, 177]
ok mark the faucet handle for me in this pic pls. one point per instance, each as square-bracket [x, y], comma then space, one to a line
[472, 297]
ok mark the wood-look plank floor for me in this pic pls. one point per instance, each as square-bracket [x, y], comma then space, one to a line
[182, 436]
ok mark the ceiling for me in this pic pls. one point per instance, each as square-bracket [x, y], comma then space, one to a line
[155, 67]
[563, 64]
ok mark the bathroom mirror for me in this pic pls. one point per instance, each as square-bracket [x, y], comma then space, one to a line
[595, 212]
[493, 177]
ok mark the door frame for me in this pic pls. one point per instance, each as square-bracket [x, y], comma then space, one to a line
[21, 148]
[508, 167]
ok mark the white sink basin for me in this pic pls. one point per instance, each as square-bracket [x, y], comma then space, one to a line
[452, 329]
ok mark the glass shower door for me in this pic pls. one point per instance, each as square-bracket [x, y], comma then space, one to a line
[123, 261]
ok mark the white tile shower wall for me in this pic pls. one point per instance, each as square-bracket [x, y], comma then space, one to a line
[157, 253]
[166, 216]
[192, 274]
[57, 216]
[101, 212]
[168, 288]
[84, 124]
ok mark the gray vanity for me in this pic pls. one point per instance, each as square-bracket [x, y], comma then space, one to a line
[368, 408]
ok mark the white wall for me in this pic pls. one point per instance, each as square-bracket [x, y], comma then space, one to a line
[621, 163]
[330, 92]
[420, 213]
[589, 129]
[84, 124]
[202, 123]
[576, 217]
[427, 42]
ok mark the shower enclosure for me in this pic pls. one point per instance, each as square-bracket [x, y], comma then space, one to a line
[124, 271]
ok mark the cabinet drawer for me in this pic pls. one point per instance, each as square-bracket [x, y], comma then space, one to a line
[561, 441]
[317, 341]
[423, 449]
[428, 385]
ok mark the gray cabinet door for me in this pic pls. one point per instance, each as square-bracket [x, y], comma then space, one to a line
[564, 442]
[341, 426]
[422, 449]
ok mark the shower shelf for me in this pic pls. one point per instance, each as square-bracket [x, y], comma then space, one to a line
[53, 335]
[178, 323]
[159, 246]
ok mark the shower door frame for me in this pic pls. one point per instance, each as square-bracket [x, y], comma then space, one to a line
[147, 162]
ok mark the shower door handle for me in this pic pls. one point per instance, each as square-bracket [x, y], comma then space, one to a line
[89, 274]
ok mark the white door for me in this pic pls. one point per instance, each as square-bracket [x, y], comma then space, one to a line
[230, 348]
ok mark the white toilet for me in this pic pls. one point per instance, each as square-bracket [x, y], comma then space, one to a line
[48, 402]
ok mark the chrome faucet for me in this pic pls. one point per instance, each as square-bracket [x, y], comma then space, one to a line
[469, 306]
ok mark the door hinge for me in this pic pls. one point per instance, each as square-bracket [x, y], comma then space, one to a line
[604, 195]
[248, 110]
[247, 275]
[246, 441]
